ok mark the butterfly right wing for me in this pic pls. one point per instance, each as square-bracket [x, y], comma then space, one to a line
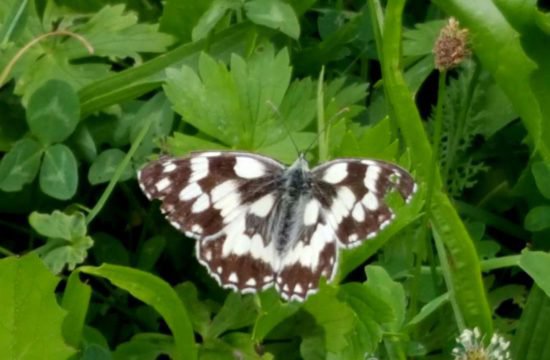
[221, 199]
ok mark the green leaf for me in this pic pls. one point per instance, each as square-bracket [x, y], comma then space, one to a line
[274, 14]
[114, 32]
[429, 309]
[537, 265]
[180, 17]
[237, 311]
[199, 313]
[541, 173]
[420, 40]
[67, 243]
[150, 252]
[208, 21]
[59, 172]
[20, 165]
[105, 165]
[538, 218]
[335, 319]
[108, 249]
[53, 111]
[380, 282]
[371, 310]
[76, 299]
[30, 318]
[157, 293]
[246, 97]
[532, 338]
[59, 225]
[145, 347]
[273, 312]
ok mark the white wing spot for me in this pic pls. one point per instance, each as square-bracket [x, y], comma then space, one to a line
[175, 224]
[169, 167]
[370, 201]
[336, 173]
[197, 228]
[211, 153]
[298, 288]
[201, 204]
[268, 278]
[353, 237]
[262, 206]
[311, 212]
[233, 277]
[286, 288]
[346, 197]
[191, 191]
[251, 282]
[199, 168]
[163, 184]
[358, 212]
[220, 191]
[248, 168]
[371, 177]
[219, 270]
[208, 255]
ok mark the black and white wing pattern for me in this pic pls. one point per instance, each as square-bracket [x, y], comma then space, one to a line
[259, 223]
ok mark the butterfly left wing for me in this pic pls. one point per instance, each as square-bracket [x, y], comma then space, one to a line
[352, 193]
[220, 199]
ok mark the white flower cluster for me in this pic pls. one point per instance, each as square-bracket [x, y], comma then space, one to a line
[470, 347]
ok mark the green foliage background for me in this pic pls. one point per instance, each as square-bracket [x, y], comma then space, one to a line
[93, 90]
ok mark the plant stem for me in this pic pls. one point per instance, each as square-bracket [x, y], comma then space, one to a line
[321, 126]
[118, 173]
[5, 251]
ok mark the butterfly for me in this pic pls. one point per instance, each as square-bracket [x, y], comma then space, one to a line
[259, 223]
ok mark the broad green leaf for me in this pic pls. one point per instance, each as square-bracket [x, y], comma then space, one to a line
[157, 293]
[420, 40]
[371, 310]
[53, 111]
[145, 347]
[150, 252]
[273, 312]
[115, 32]
[83, 144]
[180, 17]
[429, 309]
[96, 352]
[20, 165]
[59, 225]
[59, 172]
[380, 282]
[208, 21]
[76, 299]
[538, 218]
[335, 319]
[246, 97]
[67, 243]
[182, 144]
[274, 14]
[105, 165]
[226, 347]
[199, 312]
[541, 173]
[537, 265]
[30, 319]
[237, 311]
[12, 21]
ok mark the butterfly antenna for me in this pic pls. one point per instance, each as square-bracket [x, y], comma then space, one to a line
[278, 113]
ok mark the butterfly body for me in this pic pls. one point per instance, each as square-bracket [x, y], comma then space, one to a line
[260, 224]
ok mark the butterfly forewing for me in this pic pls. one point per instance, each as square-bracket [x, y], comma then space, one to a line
[259, 223]
[221, 199]
[353, 191]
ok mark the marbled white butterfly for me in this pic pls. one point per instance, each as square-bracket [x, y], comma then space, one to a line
[259, 223]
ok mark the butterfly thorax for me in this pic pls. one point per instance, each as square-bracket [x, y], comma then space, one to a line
[296, 192]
